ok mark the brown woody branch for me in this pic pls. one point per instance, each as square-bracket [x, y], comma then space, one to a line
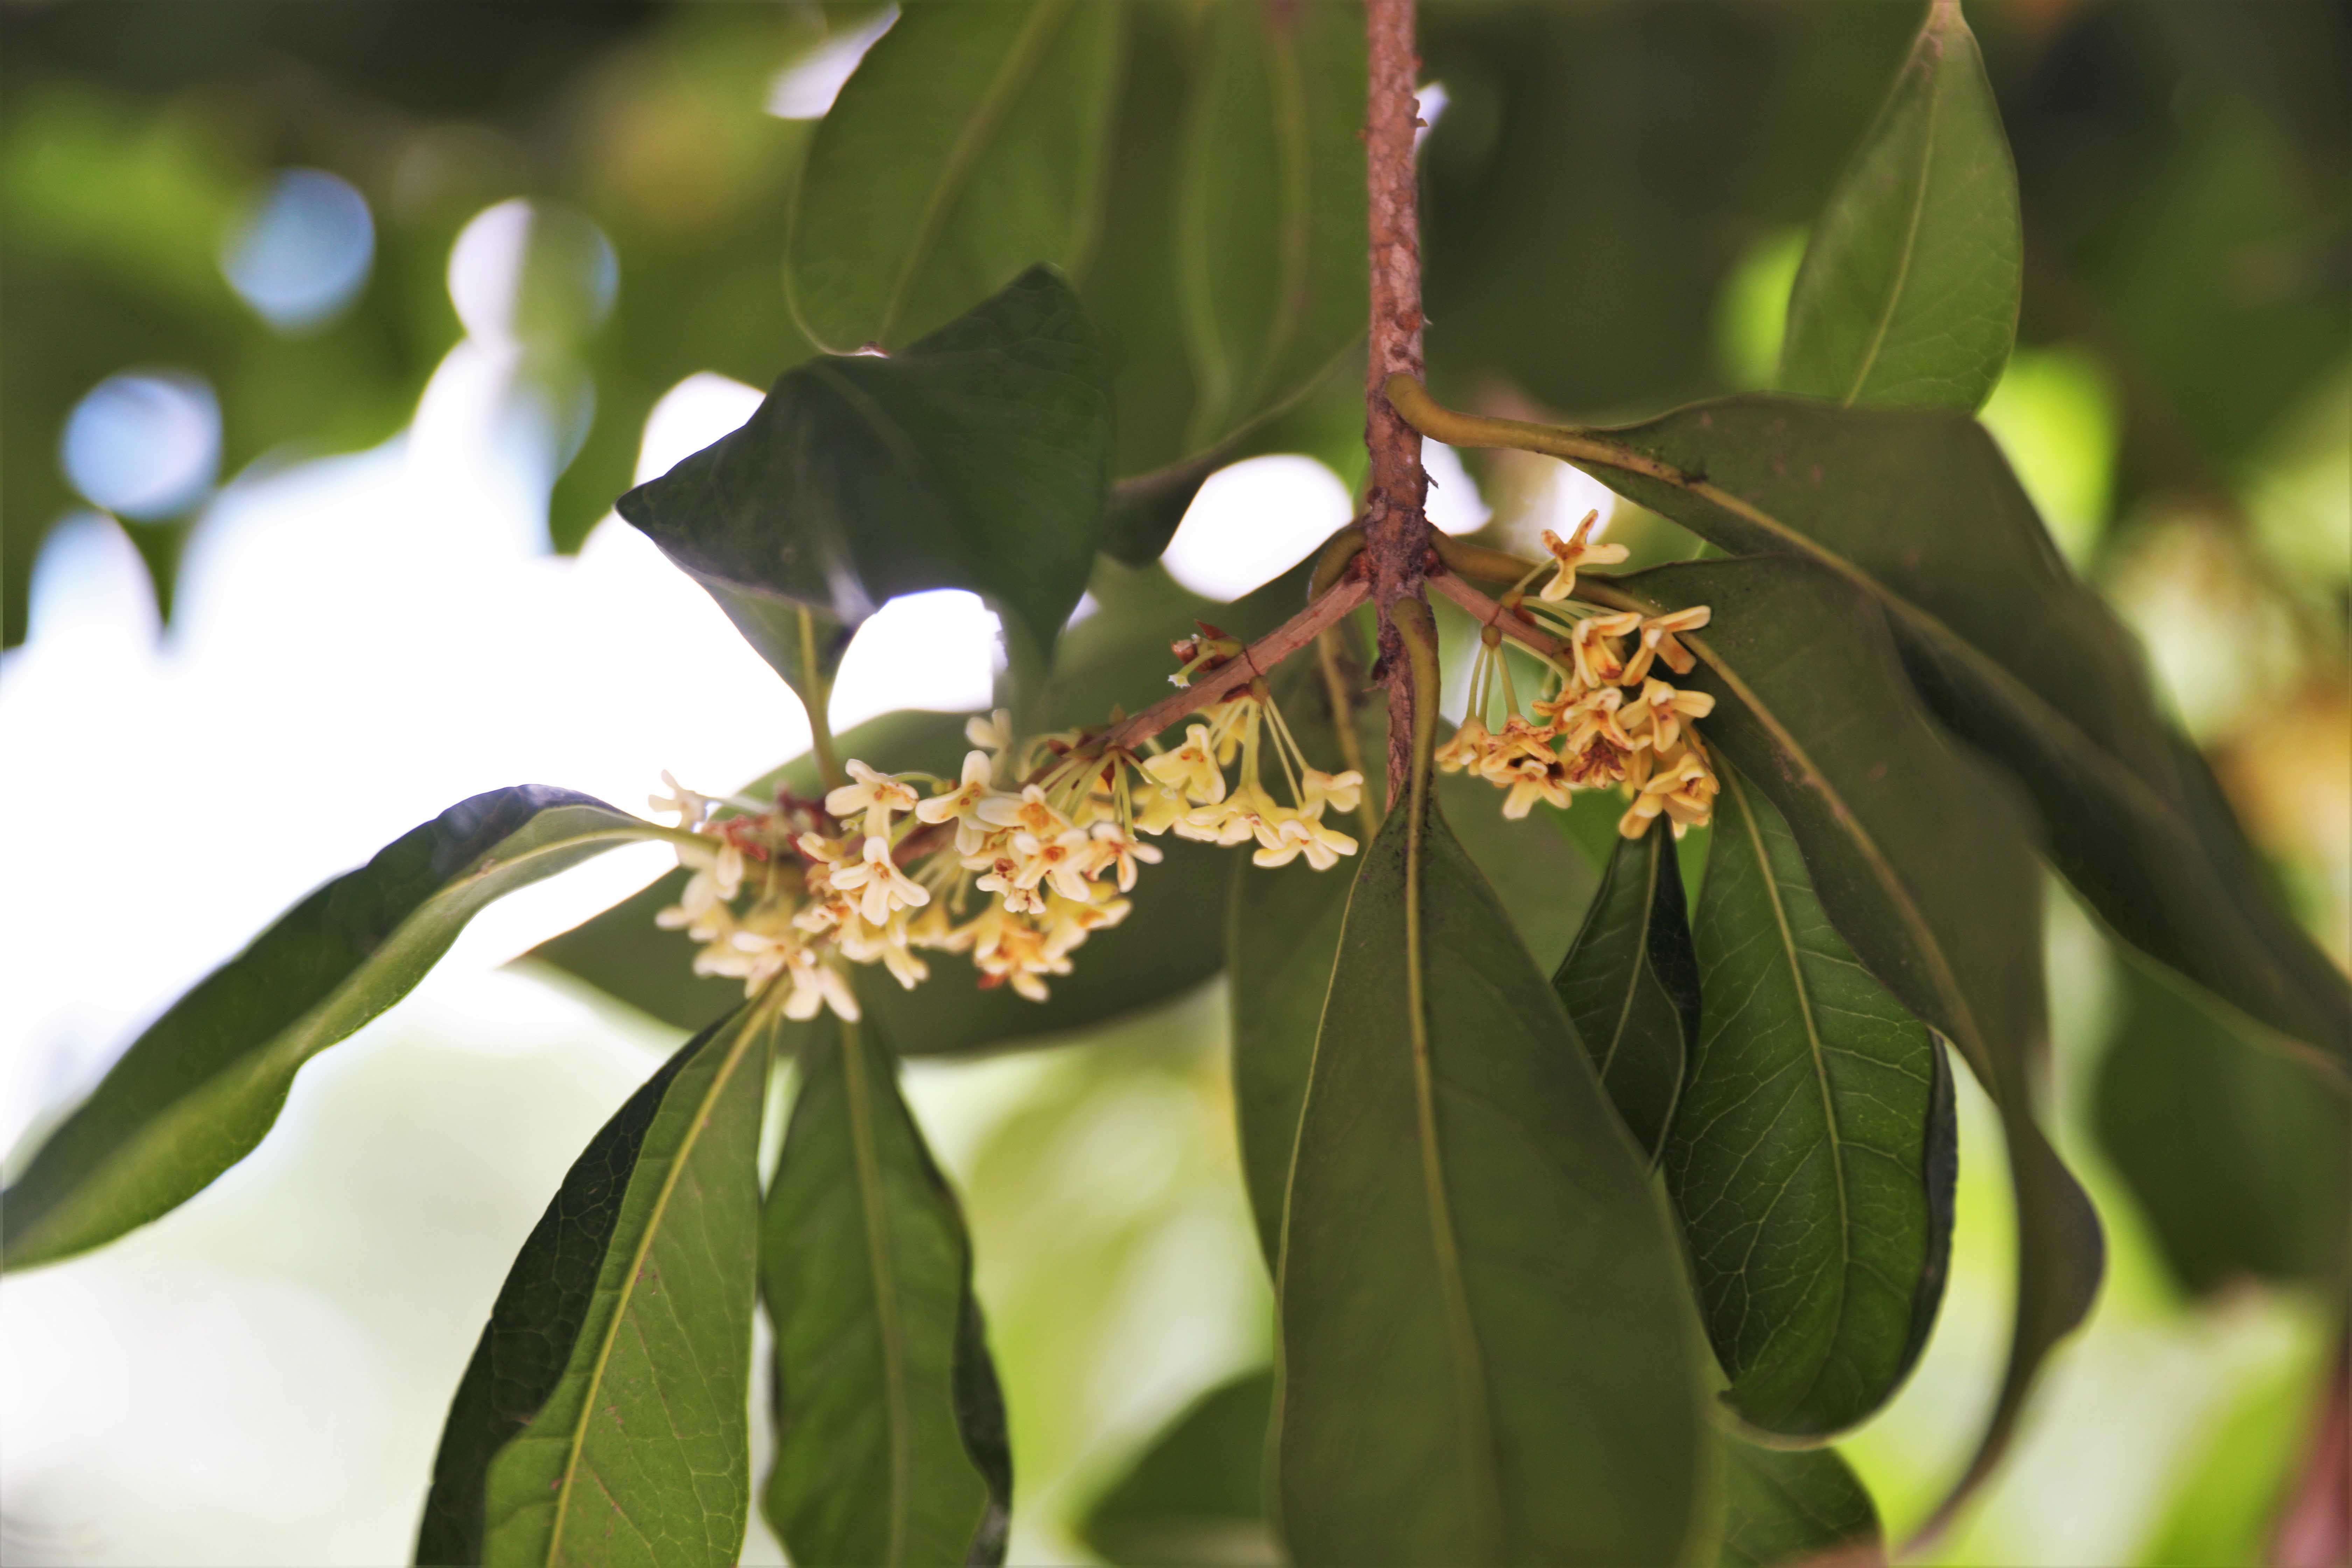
[1253, 663]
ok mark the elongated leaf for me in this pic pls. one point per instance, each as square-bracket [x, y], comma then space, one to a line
[1196, 1496]
[2238, 1155]
[1919, 510]
[1786, 1508]
[1284, 937]
[1629, 984]
[978, 458]
[1271, 214]
[602, 1419]
[891, 1442]
[195, 1092]
[965, 148]
[1484, 1350]
[1921, 859]
[1814, 1155]
[1907, 295]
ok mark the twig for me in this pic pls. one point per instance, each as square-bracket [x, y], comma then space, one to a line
[1251, 664]
[1396, 528]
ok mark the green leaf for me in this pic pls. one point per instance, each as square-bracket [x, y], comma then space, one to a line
[1484, 1345]
[2237, 1155]
[1922, 860]
[1270, 216]
[1196, 1496]
[1918, 510]
[195, 1092]
[890, 1439]
[1907, 295]
[966, 147]
[1283, 936]
[1814, 1154]
[1791, 1507]
[977, 459]
[603, 1420]
[1629, 984]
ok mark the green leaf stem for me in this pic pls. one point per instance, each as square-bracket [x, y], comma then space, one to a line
[891, 1437]
[1631, 986]
[1814, 1155]
[1909, 292]
[602, 1419]
[1484, 1345]
[965, 148]
[979, 458]
[195, 1092]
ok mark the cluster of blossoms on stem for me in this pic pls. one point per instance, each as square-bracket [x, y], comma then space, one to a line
[1015, 862]
[1605, 718]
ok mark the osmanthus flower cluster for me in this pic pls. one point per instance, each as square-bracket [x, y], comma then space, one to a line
[1015, 862]
[1605, 720]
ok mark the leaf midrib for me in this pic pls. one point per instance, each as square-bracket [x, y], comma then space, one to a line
[1012, 77]
[890, 1318]
[696, 1126]
[1910, 234]
[1790, 946]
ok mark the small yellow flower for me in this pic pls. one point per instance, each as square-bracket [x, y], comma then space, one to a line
[1657, 720]
[1119, 851]
[1576, 549]
[961, 804]
[1028, 812]
[1532, 782]
[881, 886]
[1593, 647]
[1466, 748]
[1659, 641]
[1191, 769]
[878, 795]
[691, 808]
[1342, 792]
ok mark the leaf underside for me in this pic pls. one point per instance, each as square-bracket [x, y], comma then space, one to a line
[1793, 1507]
[602, 1419]
[195, 1092]
[1485, 1350]
[890, 1446]
[1814, 1155]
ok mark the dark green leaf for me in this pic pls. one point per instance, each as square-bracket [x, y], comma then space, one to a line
[1907, 295]
[1197, 1495]
[602, 1419]
[1484, 1345]
[1270, 220]
[1629, 984]
[1814, 1154]
[1919, 510]
[966, 147]
[1285, 936]
[1788, 1508]
[890, 1441]
[195, 1092]
[977, 459]
[1921, 859]
[2238, 1155]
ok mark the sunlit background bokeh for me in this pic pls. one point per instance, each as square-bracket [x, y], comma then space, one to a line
[357, 641]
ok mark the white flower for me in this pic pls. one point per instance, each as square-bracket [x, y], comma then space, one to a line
[876, 795]
[881, 884]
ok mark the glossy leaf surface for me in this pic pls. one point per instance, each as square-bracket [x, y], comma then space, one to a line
[1920, 512]
[1485, 1350]
[602, 1419]
[1924, 864]
[200, 1088]
[1815, 1152]
[1196, 1495]
[1631, 986]
[890, 1445]
[978, 458]
[965, 148]
[1909, 292]
[2237, 1154]
[1783, 1508]
[1285, 936]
